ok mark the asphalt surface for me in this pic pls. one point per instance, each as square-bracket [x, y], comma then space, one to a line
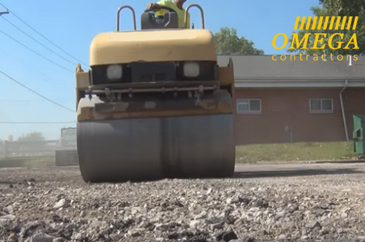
[265, 202]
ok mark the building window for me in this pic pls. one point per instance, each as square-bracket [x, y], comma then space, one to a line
[248, 106]
[321, 105]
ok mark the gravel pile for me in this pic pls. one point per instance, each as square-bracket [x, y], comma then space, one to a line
[56, 205]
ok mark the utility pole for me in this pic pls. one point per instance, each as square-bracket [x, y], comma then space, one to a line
[4, 12]
[5, 142]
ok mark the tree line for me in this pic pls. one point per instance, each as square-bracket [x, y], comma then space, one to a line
[32, 136]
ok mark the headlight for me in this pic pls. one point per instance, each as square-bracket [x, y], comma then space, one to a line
[191, 69]
[114, 72]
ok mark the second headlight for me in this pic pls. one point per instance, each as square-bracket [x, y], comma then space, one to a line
[191, 69]
[114, 72]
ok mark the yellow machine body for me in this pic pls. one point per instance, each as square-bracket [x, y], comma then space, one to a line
[152, 46]
[142, 126]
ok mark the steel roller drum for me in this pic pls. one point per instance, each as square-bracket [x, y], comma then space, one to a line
[153, 148]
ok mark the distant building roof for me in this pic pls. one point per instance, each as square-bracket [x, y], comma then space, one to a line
[263, 71]
[264, 67]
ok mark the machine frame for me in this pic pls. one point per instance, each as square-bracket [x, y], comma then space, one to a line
[167, 118]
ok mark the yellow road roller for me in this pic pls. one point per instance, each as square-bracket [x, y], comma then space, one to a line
[155, 104]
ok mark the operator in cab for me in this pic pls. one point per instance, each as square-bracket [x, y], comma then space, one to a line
[176, 5]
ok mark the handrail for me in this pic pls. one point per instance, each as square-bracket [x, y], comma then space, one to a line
[133, 13]
[201, 13]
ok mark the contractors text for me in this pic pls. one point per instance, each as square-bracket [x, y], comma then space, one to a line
[302, 57]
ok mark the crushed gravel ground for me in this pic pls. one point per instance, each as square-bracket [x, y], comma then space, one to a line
[262, 203]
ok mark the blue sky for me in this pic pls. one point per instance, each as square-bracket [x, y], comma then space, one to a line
[72, 24]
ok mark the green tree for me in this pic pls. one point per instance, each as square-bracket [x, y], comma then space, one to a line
[228, 43]
[29, 142]
[344, 7]
[333, 8]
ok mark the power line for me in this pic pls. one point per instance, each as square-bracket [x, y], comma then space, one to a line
[43, 35]
[18, 100]
[19, 83]
[1, 122]
[35, 51]
[37, 41]
[24, 63]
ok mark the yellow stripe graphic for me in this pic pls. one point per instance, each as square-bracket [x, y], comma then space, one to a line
[302, 24]
[338, 22]
[349, 23]
[326, 22]
[314, 22]
[355, 23]
[331, 24]
[343, 22]
[308, 23]
[297, 22]
[319, 26]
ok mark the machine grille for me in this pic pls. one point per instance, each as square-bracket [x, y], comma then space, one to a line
[153, 77]
[140, 72]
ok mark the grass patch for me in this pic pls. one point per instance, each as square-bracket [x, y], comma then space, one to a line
[295, 152]
[27, 161]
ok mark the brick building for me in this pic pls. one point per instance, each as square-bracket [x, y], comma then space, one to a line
[296, 100]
